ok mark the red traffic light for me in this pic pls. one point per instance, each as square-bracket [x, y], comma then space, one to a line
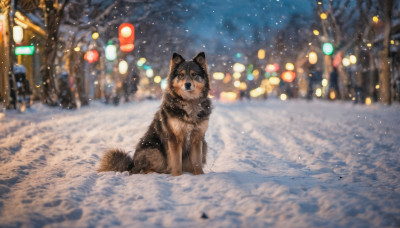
[91, 56]
[126, 37]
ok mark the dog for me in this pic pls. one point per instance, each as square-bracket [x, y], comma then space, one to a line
[174, 142]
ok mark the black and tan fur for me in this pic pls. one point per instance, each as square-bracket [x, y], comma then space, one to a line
[174, 142]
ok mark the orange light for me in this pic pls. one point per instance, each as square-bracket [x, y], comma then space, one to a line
[126, 37]
[288, 76]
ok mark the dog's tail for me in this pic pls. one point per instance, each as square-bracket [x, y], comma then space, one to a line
[115, 160]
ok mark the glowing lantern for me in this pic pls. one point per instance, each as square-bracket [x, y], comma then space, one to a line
[256, 73]
[316, 32]
[218, 75]
[95, 35]
[91, 56]
[327, 48]
[157, 79]
[289, 66]
[123, 67]
[274, 80]
[270, 68]
[238, 67]
[237, 75]
[18, 34]
[243, 86]
[283, 97]
[261, 54]
[323, 16]
[375, 19]
[149, 73]
[368, 101]
[353, 59]
[312, 58]
[346, 62]
[111, 52]
[126, 37]
[288, 76]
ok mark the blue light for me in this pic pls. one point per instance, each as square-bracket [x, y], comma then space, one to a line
[250, 77]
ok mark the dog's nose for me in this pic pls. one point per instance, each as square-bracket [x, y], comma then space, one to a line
[188, 85]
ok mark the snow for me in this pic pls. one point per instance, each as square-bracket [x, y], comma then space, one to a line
[270, 164]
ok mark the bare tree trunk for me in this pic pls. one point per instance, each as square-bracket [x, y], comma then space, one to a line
[384, 75]
[52, 20]
[11, 55]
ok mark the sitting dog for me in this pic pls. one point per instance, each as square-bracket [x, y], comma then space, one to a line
[174, 142]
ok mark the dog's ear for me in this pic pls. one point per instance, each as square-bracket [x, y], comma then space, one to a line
[176, 59]
[200, 59]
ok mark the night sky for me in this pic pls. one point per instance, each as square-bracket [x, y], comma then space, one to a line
[210, 21]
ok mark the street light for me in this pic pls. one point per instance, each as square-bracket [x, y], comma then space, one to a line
[218, 75]
[261, 54]
[353, 59]
[95, 35]
[289, 66]
[123, 67]
[312, 58]
[18, 34]
[238, 67]
[323, 16]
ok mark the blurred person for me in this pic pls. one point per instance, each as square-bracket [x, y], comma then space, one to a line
[334, 82]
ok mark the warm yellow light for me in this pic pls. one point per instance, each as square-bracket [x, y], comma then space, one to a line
[95, 35]
[256, 73]
[324, 82]
[353, 59]
[346, 62]
[236, 84]
[77, 49]
[316, 32]
[141, 61]
[238, 67]
[375, 19]
[18, 34]
[377, 86]
[323, 16]
[123, 67]
[237, 75]
[332, 95]
[283, 97]
[312, 58]
[318, 92]
[274, 80]
[157, 79]
[369, 45]
[368, 101]
[392, 42]
[289, 66]
[218, 75]
[126, 31]
[261, 54]
[243, 86]
[257, 92]
[228, 96]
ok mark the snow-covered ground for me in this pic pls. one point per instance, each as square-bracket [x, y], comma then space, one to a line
[270, 164]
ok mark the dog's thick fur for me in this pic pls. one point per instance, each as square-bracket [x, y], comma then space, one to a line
[174, 142]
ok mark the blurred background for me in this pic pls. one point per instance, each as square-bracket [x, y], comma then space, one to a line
[67, 53]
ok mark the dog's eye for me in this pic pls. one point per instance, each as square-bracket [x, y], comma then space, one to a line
[194, 74]
[181, 75]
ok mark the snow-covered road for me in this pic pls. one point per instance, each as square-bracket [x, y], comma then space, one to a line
[270, 164]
